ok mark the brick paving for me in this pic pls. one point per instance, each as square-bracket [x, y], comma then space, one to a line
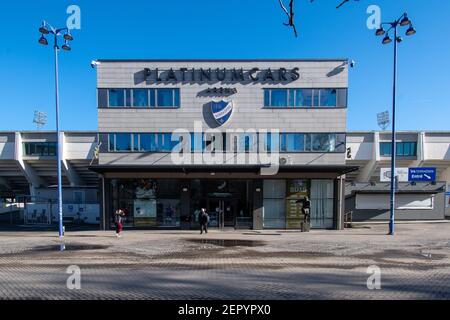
[415, 264]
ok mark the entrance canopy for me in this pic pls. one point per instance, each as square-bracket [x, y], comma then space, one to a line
[339, 170]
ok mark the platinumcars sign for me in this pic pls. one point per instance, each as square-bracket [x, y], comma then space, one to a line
[221, 75]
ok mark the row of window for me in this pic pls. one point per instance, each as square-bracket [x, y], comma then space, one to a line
[248, 142]
[273, 98]
[40, 148]
[305, 98]
[144, 98]
[404, 149]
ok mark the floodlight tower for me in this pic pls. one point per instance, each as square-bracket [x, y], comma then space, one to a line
[40, 119]
[383, 120]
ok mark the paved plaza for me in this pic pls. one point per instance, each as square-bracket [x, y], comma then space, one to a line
[414, 264]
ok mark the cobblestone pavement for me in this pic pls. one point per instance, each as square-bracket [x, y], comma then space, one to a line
[415, 264]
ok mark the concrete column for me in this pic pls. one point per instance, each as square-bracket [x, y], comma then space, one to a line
[340, 202]
[70, 172]
[32, 177]
[103, 205]
[368, 170]
[421, 150]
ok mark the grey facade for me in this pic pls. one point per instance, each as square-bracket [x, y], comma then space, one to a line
[247, 84]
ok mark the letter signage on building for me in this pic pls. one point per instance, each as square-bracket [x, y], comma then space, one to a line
[221, 75]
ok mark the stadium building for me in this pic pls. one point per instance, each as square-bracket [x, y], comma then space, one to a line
[246, 139]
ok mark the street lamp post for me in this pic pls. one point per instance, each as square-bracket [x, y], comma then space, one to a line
[46, 29]
[402, 21]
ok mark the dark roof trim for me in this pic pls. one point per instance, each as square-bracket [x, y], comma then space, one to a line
[222, 60]
[341, 170]
[398, 192]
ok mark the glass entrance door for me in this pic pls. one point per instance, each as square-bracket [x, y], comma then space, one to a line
[222, 212]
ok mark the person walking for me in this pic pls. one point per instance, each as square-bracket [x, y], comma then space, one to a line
[306, 210]
[204, 220]
[118, 222]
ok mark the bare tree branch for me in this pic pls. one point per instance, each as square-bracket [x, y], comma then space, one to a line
[290, 15]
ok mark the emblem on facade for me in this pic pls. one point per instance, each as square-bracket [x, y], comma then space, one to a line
[222, 111]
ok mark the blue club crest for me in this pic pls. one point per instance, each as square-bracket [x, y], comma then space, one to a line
[222, 111]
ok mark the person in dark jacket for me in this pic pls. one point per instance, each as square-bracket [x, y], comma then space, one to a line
[203, 220]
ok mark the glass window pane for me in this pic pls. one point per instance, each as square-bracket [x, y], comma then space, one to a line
[414, 149]
[177, 97]
[152, 98]
[341, 142]
[399, 147]
[140, 98]
[303, 98]
[323, 142]
[135, 142]
[407, 149]
[52, 148]
[111, 142]
[128, 97]
[295, 142]
[165, 97]
[328, 98]
[283, 142]
[147, 142]
[279, 98]
[116, 98]
[291, 97]
[123, 142]
[274, 189]
[274, 193]
[385, 148]
[266, 97]
[197, 142]
[315, 98]
[322, 195]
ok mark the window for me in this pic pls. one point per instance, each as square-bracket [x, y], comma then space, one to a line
[168, 97]
[404, 149]
[310, 142]
[140, 98]
[304, 98]
[323, 142]
[278, 98]
[141, 142]
[295, 142]
[123, 142]
[116, 97]
[274, 212]
[322, 204]
[40, 148]
[328, 98]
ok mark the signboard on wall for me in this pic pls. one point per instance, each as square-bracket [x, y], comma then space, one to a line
[422, 174]
[402, 173]
[296, 190]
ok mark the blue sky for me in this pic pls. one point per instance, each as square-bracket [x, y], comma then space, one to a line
[224, 29]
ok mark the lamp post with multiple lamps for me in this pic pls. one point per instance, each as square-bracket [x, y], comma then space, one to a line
[47, 29]
[403, 21]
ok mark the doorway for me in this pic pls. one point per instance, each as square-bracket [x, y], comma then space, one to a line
[222, 212]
